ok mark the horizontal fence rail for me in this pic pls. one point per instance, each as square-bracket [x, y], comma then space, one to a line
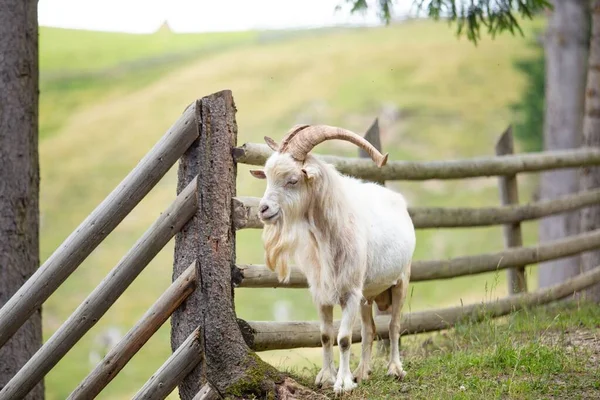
[513, 257]
[133, 341]
[168, 376]
[98, 224]
[257, 154]
[245, 211]
[263, 336]
[104, 295]
[259, 276]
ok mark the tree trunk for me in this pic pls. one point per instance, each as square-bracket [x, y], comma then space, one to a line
[19, 174]
[566, 46]
[229, 365]
[590, 176]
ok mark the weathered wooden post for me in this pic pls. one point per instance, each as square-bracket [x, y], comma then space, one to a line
[210, 238]
[509, 195]
[373, 136]
[228, 364]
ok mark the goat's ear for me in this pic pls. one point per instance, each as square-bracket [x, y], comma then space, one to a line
[271, 143]
[310, 172]
[258, 173]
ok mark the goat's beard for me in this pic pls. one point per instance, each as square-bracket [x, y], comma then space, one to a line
[279, 243]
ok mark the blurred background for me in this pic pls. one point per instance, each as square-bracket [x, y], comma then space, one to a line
[114, 75]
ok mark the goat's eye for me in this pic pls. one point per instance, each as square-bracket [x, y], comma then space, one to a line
[292, 181]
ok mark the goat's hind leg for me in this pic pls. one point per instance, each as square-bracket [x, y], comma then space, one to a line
[367, 335]
[398, 296]
[326, 377]
[350, 306]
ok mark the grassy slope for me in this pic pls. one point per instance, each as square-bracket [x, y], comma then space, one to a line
[543, 353]
[67, 50]
[77, 67]
[453, 101]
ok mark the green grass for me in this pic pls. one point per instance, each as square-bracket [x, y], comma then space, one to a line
[79, 68]
[98, 122]
[539, 353]
[68, 50]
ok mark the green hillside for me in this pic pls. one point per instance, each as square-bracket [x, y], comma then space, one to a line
[78, 67]
[100, 115]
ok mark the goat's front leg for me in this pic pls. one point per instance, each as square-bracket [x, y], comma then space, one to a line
[350, 305]
[398, 296]
[367, 335]
[326, 377]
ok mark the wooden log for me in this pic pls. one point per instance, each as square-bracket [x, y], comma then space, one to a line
[98, 224]
[228, 361]
[509, 194]
[186, 318]
[104, 295]
[257, 154]
[207, 392]
[133, 341]
[168, 376]
[261, 276]
[372, 136]
[246, 212]
[516, 257]
[263, 336]
[210, 237]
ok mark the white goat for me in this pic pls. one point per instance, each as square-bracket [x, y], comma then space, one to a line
[353, 240]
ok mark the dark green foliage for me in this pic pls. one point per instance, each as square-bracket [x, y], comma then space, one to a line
[529, 110]
[496, 15]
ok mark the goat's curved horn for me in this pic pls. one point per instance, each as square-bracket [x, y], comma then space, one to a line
[289, 136]
[299, 145]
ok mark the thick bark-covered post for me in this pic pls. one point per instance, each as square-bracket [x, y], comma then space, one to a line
[509, 195]
[590, 176]
[566, 46]
[227, 356]
[19, 175]
[186, 318]
[229, 365]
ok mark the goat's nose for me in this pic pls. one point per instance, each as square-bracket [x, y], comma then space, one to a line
[263, 209]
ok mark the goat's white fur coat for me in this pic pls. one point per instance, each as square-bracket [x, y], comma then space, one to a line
[353, 240]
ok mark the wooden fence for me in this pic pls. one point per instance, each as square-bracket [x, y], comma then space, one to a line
[204, 218]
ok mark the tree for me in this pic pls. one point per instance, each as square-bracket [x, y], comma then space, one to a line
[470, 16]
[19, 174]
[566, 47]
[590, 177]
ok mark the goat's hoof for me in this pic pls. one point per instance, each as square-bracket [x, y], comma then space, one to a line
[325, 377]
[345, 385]
[396, 371]
[362, 373]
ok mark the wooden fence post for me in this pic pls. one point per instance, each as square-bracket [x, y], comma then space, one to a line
[227, 364]
[509, 195]
[373, 136]
[186, 318]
